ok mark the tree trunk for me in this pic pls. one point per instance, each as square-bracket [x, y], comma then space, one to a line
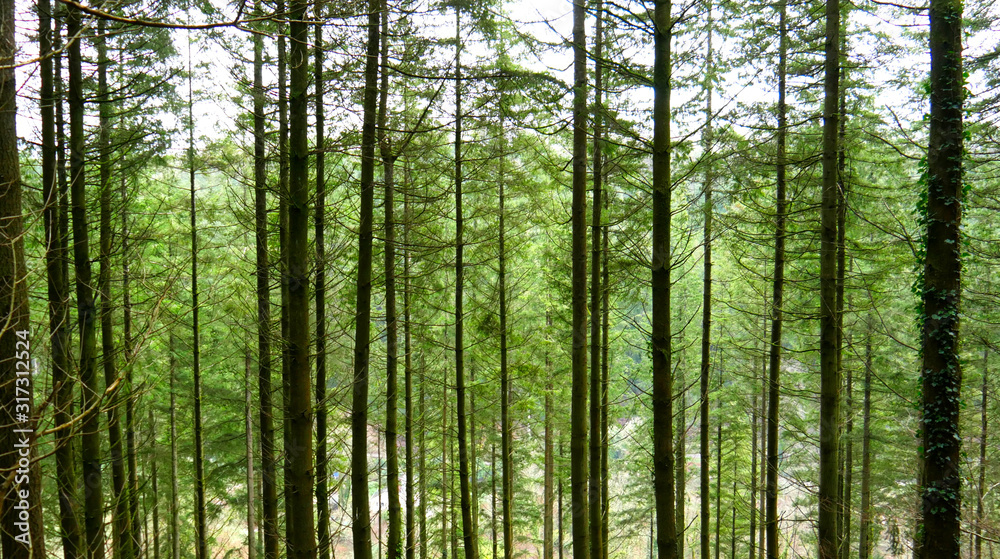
[753, 471]
[596, 443]
[468, 529]
[549, 465]
[269, 492]
[248, 420]
[322, 492]
[408, 379]
[155, 493]
[362, 335]
[981, 489]
[17, 414]
[663, 471]
[706, 306]
[774, 356]
[86, 309]
[507, 461]
[175, 536]
[865, 544]
[201, 535]
[58, 289]
[560, 515]
[121, 517]
[941, 371]
[578, 439]
[391, 324]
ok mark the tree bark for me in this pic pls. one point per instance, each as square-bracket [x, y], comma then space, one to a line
[774, 356]
[706, 306]
[941, 288]
[175, 535]
[578, 439]
[201, 535]
[248, 421]
[121, 517]
[269, 498]
[362, 335]
[981, 489]
[596, 443]
[58, 287]
[86, 308]
[391, 323]
[865, 543]
[322, 492]
[16, 411]
[663, 467]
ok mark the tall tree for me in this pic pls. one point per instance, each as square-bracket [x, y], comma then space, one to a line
[865, 543]
[301, 528]
[663, 458]
[706, 303]
[200, 513]
[578, 437]
[941, 287]
[269, 494]
[322, 492]
[86, 308]
[596, 443]
[360, 517]
[829, 438]
[777, 295]
[58, 290]
[395, 545]
[468, 526]
[14, 337]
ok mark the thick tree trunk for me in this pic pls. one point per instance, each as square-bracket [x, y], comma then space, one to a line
[17, 411]
[58, 288]
[663, 467]
[301, 528]
[578, 438]
[269, 498]
[362, 336]
[777, 294]
[942, 285]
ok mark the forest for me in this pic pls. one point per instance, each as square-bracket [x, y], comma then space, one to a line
[602, 279]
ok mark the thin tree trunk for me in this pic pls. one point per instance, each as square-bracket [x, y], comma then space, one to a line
[201, 535]
[408, 379]
[560, 501]
[865, 543]
[121, 517]
[981, 489]
[753, 472]
[941, 482]
[596, 443]
[578, 439]
[718, 476]
[248, 420]
[549, 465]
[322, 492]
[155, 494]
[395, 545]
[706, 307]
[175, 536]
[663, 471]
[493, 503]
[362, 336]
[269, 498]
[58, 287]
[445, 479]
[507, 494]
[86, 308]
[605, 377]
[774, 357]
[468, 528]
